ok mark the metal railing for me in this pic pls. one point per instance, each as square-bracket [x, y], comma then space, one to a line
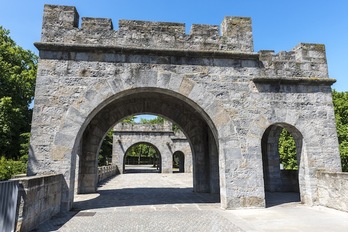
[8, 204]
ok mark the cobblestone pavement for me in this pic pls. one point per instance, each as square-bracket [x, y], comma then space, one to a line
[165, 202]
[144, 202]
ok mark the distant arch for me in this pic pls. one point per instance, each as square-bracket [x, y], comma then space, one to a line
[179, 161]
[156, 161]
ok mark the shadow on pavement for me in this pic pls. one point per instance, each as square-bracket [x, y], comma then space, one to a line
[145, 170]
[130, 197]
[145, 196]
[141, 169]
[279, 198]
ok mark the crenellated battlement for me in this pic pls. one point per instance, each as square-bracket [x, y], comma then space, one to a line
[233, 40]
[60, 25]
[305, 60]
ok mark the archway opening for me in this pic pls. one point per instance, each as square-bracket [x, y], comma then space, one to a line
[142, 158]
[178, 162]
[106, 149]
[187, 115]
[281, 155]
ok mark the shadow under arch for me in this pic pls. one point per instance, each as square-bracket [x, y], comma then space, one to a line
[157, 162]
[188, 115]
[277, 181]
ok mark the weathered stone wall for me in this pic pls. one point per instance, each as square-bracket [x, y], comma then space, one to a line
[221, 93]
[161, 136]
[39, 198]
[333, 190]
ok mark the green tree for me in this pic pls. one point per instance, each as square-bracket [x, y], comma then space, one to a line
[17, 77]
[145, 153]
[105, 152]
[157, 120]
[9, 167]
[340, 101]
[287, 151]
[129, 119]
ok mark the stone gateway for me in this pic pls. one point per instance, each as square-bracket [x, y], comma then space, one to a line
[230, 102]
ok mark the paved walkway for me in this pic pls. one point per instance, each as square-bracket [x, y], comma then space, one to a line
[165, 202]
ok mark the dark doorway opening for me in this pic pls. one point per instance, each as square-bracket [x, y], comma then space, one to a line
[281, 152]
[178, 162]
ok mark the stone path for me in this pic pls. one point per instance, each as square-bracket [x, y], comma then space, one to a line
[165, 202]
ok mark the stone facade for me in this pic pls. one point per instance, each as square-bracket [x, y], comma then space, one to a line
[230, 101]
[160, 136]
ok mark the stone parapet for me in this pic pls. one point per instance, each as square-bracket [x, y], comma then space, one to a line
[143, 127]
[105, 172]
[333, 190]
[39, 198]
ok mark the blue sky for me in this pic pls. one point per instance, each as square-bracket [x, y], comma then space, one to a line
[277, 24]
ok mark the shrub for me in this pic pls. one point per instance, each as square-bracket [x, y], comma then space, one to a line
[9, 168]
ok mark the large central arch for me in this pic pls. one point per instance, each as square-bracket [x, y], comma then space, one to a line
[179, 109]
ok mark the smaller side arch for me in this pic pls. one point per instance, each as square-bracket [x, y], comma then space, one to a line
[276, 179]
[179, 161]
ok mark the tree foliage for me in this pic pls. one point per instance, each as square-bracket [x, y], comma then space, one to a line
[157, 120]
[142, 153]
[287, 151]
[9, 167]
[17, 83]
[340, 101]
[142, 150]
[105, 152]
[129, 119]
